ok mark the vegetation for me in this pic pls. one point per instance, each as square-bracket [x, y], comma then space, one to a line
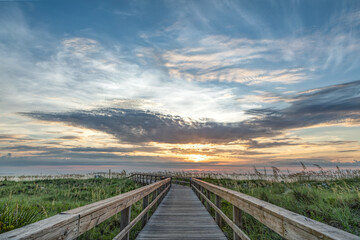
[334, 202]
[25, 202]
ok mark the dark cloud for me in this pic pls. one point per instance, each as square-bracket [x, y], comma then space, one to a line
[335, 142]
[329, 105]
[59, 152]
[68, 138]
[256, 144]
[349, 151]
[6, 136]
[139, 126]
[83, 159]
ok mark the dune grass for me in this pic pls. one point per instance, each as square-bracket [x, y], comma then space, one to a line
[25, 202]
[334, 202]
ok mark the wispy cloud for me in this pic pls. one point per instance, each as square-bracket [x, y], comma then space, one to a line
[218, 58]
[66, 71]
[295, 59]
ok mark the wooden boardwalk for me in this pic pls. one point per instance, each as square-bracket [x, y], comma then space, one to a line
[181, 216]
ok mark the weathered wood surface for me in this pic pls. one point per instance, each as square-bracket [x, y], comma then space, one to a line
[181, 216]
[287, 224]
[238, 233]
[73, 223]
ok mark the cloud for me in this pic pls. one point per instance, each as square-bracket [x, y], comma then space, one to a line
[264, 97]
[138, 126]
[74, 72]
[329, 105]
[58, 155]
[334, 104]
[220, 58]
[286, 60]
[255, 144]
[80, 46]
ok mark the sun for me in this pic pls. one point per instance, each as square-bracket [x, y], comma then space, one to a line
[197, 157]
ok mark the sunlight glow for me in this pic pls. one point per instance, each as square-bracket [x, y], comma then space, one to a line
[197, 157]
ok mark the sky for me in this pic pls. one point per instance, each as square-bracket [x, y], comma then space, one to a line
[178, 85]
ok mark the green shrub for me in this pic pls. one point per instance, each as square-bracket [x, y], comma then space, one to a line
[12, 217]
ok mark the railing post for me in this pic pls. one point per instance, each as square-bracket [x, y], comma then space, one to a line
[237, 219]
[207, 203]
[161, 189]
[202, 198]
[145, 204]
[217, 215]
[125, 220]
[158, 191]
[153, 196]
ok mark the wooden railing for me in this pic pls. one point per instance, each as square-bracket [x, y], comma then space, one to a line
[288, 225]
[73, 223]
[150, 178]
[146, 179]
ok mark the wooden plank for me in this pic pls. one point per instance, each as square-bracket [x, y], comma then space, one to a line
[287, 224]
[181, 216]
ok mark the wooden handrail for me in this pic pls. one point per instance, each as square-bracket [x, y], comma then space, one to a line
[287, 224]
[149, 178]
[73, 223]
